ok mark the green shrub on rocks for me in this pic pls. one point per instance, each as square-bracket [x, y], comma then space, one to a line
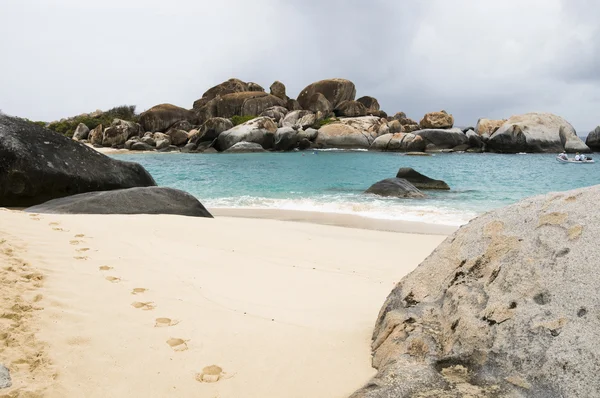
[68, 126]
[324, 122]
[241, 119]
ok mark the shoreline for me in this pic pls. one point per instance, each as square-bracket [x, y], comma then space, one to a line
[337, 219]
[282, 308]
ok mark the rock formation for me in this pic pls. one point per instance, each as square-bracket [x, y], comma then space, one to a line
[419, 180]
[396, 187]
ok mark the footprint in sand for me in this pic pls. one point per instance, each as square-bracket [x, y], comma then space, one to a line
[139, 290]
[79, 235]
[113, 279]
[75, 242]
[165, 322]
[143, 306]
[59, 229]
[105, 268]
[80, 257]
[83, 249]
[210, 374]
[177, 344]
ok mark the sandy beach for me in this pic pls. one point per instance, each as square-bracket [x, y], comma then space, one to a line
[154, 306]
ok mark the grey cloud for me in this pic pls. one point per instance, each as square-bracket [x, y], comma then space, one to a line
[471, 58]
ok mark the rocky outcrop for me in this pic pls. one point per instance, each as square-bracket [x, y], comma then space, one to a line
[299, 119]
[593, 139]
[255, 87]
[37, 165]
[210, 130]
[488, 126]
[149, 200]
[357, 132]
[96, 135]
[475, 140]
[438, 139]
[419, 180]
[395, 187]
[275, 112]
[399, 142]
[278, 89]
[260, 131]
[437, 120]
[335, 90]
[119, 132]
[245, 147]
[505, 307]
[286, 139]
[250, 103]
[161, 117]
[350, 109]
[162, 141]
[293, 105]
[318, 103]
[310, 134]
[371, 104]
[81, 132]
[536, 132]
[178, 137]
[227, 87]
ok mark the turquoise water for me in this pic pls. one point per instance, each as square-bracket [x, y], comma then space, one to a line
[334, 181]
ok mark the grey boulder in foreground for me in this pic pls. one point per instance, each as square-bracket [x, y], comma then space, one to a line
[37, 165]
[150, 200]
[419, 180]
[5, 381]
[508, 306]
[395, 187]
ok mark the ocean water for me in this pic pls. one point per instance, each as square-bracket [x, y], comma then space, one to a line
[334, 181]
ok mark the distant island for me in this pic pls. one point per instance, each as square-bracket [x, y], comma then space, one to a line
[237, 116]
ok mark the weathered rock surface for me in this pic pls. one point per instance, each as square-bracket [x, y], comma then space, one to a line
[310, 134]
[286, 139]
[37, 165]
[162, 140]
[370, 103]
[443, 139]
[81, 132]
[96, 135]
[419, 180]
[399, 142]
[119, 132]
[488, 126]
[293, 105]
[357, 132]
[275, 112]
[278, 89]
[335, 90]
[396, 187]
[141, 146]
[178, 137]
[350, 109]
[227, 87]
[148, 200]
[255, 87]
[318, 103]
[593, 139]
[5, 380]
[260, 131]
[505, 307]
[475, 140]
[161, 117]
[245, 147]
[211, 129]
[249, 103]
[300, 119]
[536, 132]
[437, 120]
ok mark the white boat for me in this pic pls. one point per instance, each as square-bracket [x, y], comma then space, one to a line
[561, 160]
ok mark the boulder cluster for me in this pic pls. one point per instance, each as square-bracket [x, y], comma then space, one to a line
[237, 116]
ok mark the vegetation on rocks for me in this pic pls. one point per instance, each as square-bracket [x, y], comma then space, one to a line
[236, 120]
[324, 122]
[68, 126]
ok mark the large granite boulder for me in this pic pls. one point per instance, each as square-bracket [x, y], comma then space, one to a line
[249, 103]
[505, 307]
[443, 139]
[370, 103]
[395, 187]
[37, 165]
[148, 200]
[161, 117]
[300, 119]
[278, 89]
[275, 112]
[399, 142]
[96, 135]
[488, 126]
[286, 139]
[227, 87]
[81, 132]
[419, 180]
[161, 140]
[318, 103]
[437, 120]
[335, 90]
[120, 131]
[260, 131]
[359, 132]
[293, 105]
[593, 139]
[178, 137]
[245, 147]
[536, 132]
[210, 130]
[255, 87]
[475, 140]
[350, 109]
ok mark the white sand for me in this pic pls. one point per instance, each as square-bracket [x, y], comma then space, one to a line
[286, 309]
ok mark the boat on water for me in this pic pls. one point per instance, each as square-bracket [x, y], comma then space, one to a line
[561, 160]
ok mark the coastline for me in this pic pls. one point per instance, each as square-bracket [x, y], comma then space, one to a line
[140, 305]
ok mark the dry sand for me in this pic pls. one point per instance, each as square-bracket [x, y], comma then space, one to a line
[156, 306]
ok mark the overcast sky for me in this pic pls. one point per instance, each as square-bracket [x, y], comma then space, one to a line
[473, 58]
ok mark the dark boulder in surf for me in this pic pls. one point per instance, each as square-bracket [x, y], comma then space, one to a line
[396, 187]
